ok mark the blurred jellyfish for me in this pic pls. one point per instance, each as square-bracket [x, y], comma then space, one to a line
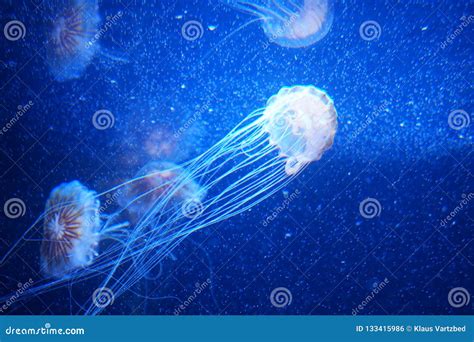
[160, 143]
[154, 181]
[253, 161]
[290, 23]
[74, 39]
[72, 229]
[71, 45]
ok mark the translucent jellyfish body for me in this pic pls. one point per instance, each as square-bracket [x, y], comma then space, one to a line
[302, 122]
[155, 181]
[256, 159]
[71, 229]
[291, 23]
[71, 45]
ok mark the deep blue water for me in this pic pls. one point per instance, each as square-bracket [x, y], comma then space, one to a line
[320, 248]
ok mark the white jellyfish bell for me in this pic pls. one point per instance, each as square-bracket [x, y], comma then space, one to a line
[290, 23]
[302, 122]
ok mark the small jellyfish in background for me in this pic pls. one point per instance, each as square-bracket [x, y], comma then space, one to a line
[154, 182]
[291, 23]
[160, 143]
[72, 229]
[71, 44]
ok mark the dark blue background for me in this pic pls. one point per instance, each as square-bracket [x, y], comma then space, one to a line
[321, 248]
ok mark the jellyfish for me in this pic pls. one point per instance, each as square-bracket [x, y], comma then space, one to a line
[70, 49]
[73, 40]
[290, 23]
[152, 182]
[257, 158]
[72, 229]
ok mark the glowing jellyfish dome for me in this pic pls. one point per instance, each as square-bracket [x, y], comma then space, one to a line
[70, 231]
[158, 180]
[291, 23]
[72, 44]
[302, 122]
